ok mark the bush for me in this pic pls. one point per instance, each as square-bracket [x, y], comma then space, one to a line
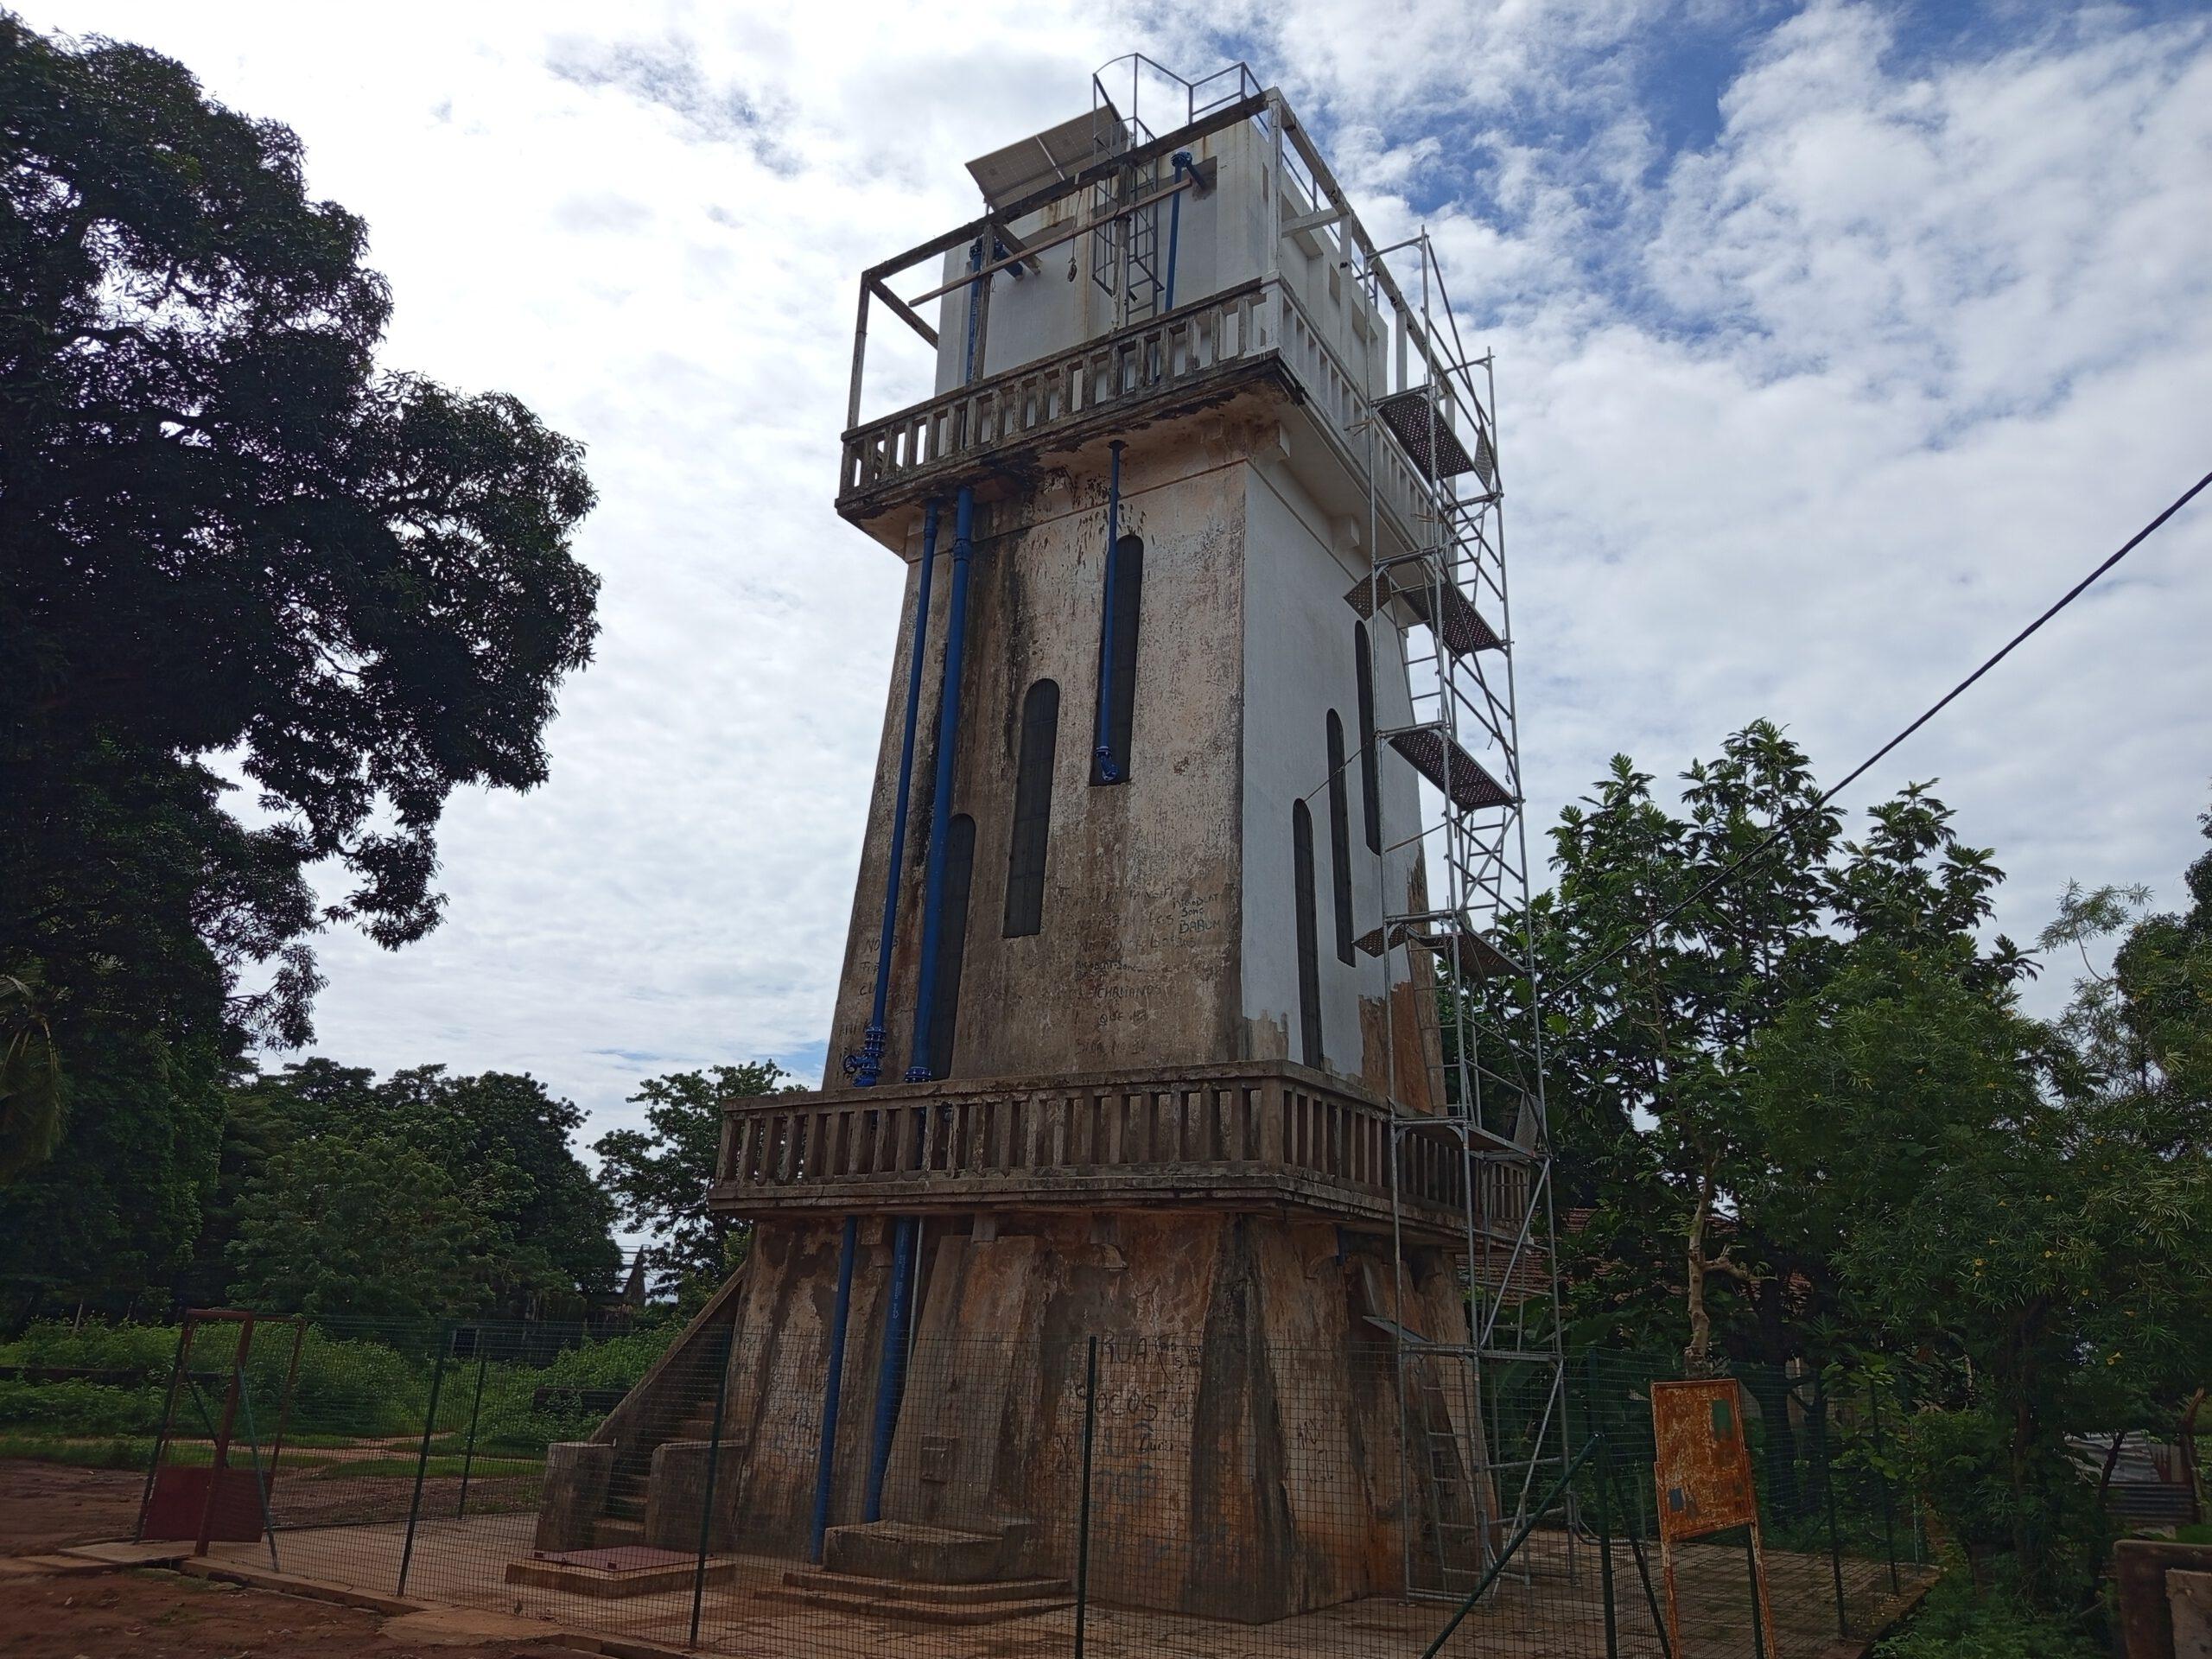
[78, 1408]
[1957, 1621]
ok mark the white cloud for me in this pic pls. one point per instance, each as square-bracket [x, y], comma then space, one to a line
[1799, 423]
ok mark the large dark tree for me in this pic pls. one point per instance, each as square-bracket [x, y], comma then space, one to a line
[232, 547]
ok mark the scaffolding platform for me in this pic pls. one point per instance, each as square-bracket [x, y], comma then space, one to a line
[1432, 447]
[1471, 955]
[1461, 627]
[1436, 754]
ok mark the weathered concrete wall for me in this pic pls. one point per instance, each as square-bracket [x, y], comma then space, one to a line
[1246, 1460]
[1142, 877]
[1181, 875]
[1299, 665]
[576, 1477]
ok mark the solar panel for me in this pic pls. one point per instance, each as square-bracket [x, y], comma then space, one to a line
[1007, 175]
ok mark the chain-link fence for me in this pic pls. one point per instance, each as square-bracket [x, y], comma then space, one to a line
[1087, 1495]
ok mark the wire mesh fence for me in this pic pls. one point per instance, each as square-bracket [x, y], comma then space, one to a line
[1101, 1495]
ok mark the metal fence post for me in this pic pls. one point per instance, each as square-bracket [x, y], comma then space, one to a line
[161, 1433]
[260, 1479]
[1759, 1648]
[1605, 1545]
[1082, 1510]
[1827, 1495]
[1882, 1483]
[713, 1470]
[476, 1406]
[422, 1460]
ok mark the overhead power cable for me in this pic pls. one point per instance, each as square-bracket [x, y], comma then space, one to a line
[1721, 876]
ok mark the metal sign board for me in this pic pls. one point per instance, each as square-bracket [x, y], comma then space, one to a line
[1703, 1477]
[1703, 1472]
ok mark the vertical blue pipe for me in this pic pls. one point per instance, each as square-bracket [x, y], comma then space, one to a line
[1103, 751]
[1182, 160]
[866, 1065]
[825, 1459]
[891, 1380]
[948, 744]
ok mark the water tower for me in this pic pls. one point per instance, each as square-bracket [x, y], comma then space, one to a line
[1198, 802]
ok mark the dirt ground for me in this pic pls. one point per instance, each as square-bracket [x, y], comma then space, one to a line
[161, 1615]
[46, 1505]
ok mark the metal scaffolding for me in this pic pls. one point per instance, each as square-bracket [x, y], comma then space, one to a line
[1483, 1420]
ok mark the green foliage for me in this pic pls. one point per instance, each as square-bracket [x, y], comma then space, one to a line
[2033, 1203]
[1648, 1028]
[425, 1196]
[659, 1174]
[1959, 1620]
[367, 1225]
[347, 1384]
[80, 1408]
[33, 1094]
[225, 533]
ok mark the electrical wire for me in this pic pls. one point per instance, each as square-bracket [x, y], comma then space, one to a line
[1795, 819]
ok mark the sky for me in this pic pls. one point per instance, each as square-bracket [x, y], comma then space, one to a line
[1834, 342]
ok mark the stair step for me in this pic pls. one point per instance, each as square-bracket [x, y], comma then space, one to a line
[916, 1612]
[625, 1506]
[985, 1591]
[624, 1481]
[611, 1532]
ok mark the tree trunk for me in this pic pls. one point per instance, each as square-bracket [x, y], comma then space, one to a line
[1697, 1358]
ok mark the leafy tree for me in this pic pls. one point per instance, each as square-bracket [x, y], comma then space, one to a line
[226, 533]
[498, 1142]
[659, 1174]
[365, 1225]
[2032, 1202]
[1692, 1238]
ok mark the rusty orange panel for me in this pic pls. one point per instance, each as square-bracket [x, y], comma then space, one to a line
[1703, 1472]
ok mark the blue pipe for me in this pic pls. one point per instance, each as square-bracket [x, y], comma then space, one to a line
[948, 744]
[825, 1459]
[1182, 161]
[866, 1065]
[890, 1382]
[1108, 771]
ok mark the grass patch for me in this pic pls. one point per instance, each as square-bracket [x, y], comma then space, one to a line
[383, 1468]
[119, 1453]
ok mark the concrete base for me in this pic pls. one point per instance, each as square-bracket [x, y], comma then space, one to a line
[613, 1575]
[1247, 1451]
[901, 1551]
[2188, 1599]
[993, 1602]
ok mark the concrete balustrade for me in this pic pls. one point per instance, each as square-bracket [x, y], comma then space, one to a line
[1254, 1137]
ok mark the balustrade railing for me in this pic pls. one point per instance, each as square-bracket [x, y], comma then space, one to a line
[1242, 1127]
[1136, 364]
[1141, 363]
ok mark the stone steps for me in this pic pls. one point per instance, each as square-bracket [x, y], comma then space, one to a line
[994, 1602]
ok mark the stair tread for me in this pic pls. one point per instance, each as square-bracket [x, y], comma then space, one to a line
[934, 1612]
[978, 1592]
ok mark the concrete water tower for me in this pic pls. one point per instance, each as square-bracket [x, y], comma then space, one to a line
[1198, 775]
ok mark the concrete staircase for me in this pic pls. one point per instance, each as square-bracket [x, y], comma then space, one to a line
[623, 1519]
